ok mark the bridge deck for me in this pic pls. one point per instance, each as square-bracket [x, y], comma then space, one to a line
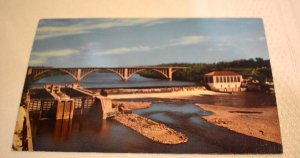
[146, 67]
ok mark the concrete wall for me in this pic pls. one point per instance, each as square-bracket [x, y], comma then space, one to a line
[150, 90]
[106, 106]
[65, 109]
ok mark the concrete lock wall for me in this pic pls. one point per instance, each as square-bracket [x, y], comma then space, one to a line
[65, 109]
[106, 106]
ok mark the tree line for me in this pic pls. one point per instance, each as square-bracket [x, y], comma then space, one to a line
[257, 69]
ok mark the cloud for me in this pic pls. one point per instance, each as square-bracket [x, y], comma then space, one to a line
[187, 40]
[183, 41]
[126, 50]
[55, 53]
[221, 44]
[159, 21]
[37, 61]
[261, 38]
[127, 22]
[215, 49]
[39, 58]
[248, 21]
[81, 27]
[42, 36]
[255, 39]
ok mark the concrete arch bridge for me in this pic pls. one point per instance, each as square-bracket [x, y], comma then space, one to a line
[123, 72]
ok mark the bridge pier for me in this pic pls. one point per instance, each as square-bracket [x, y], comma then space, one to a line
[125, 75]
[170, 73]
[29, 71]
[78, 76]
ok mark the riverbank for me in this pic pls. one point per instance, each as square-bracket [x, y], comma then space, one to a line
[155, 131]
[261, 123]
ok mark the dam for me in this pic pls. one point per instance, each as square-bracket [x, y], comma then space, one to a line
[63, 103]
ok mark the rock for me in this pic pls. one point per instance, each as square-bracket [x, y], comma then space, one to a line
[261, 131]
[151, 129]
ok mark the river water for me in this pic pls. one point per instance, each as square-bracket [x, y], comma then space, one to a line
[105, 79]
[90, 134]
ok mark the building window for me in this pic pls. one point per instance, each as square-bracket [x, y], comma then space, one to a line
[231, 78]
[221, 79]
[238, 79]
[235, 80]
[217, 79]
[228, 80]
[224, 78]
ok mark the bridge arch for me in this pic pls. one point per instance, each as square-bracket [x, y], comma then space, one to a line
[95, 70]
[37, 75]
[156, 70]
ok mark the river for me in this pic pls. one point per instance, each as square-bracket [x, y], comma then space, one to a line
[90, 134]
[105, 79]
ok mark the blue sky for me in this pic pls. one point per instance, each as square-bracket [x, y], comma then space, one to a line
[137, 42]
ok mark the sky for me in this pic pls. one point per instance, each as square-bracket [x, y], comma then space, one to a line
[141, 42]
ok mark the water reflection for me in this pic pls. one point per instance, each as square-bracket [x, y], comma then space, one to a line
[196, 120]
[183, 109]
[62, 130]
[161, 117]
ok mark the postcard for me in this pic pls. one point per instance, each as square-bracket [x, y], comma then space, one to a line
[144, 85]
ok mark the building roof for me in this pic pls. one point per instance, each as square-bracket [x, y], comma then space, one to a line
[222, 73]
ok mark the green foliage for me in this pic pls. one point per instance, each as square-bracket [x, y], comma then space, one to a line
[258, 68]
[261, 74]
